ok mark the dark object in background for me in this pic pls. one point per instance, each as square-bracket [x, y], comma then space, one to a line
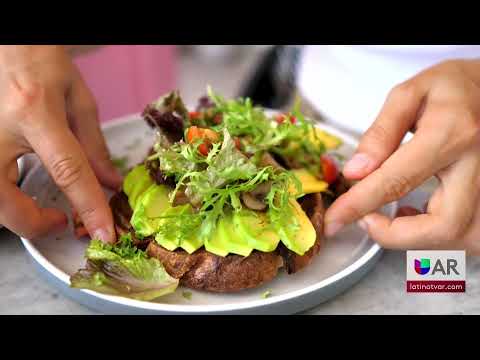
[272, 83]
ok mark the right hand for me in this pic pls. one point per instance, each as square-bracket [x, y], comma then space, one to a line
[440, 105]
[46, 108]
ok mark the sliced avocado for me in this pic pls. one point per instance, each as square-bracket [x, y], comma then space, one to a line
[136, 182]
[149, 206]
[310, 184]
[142, 224]
[155, 199]
[193, 242]
[254, 228]
[215, 244]
[166, 243]
[190, 244]
[226, 240]
[303, 239]
[130, 179]
[235, 243]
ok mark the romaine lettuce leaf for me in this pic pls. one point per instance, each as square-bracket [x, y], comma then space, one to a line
[123, 270]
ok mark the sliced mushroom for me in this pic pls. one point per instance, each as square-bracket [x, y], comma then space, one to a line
[262, 190]
[255, 199]
[252, 202]
[268, 160]
[181, 198]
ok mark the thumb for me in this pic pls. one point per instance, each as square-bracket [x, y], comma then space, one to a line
[396, 117]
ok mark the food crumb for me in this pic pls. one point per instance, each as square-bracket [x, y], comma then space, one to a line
[187, 295]
[266, 294]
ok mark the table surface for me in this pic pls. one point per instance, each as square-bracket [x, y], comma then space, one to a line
[382, 291]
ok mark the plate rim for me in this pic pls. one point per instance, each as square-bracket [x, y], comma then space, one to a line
[215, 308]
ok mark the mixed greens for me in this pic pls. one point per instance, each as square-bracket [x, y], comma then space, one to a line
[214, 183]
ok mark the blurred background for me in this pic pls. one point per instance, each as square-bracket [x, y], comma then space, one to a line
[125, 78]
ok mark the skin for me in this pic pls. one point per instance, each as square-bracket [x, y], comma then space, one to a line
[48, 109]
[441, 106]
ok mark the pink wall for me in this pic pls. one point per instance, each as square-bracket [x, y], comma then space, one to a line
[124, 78]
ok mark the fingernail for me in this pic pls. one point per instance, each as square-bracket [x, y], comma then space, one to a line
[103, 235]
[363, 224]
[331, 228]
[357, 163]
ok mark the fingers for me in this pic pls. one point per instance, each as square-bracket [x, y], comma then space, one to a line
[385, 135]
[63, 157]
[450, 214]
[408, 232]
[410, 166]
[20, 214]
[84, 123]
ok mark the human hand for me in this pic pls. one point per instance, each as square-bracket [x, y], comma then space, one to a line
[46, 108]
[441, 106]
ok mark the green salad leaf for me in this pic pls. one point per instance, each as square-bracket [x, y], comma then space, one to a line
[178, 223]
[291, 140]
[123, 270]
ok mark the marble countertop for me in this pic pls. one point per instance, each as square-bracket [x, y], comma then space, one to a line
[382, 291]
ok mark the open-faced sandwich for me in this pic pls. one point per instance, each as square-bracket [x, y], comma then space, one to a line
[228, 195]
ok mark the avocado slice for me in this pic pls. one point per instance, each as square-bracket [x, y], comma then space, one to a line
[143, 225]
[136, 182]
[149, 206]
[166, 243]
[155, 199]
[190, 244]
[304, 238]
[216, 245]
[254, 228]
[234, 242]
[226, 240]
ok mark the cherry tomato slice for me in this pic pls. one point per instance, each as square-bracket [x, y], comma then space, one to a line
[195, 115]
[280, 118]
[330, 171]
[209, 137]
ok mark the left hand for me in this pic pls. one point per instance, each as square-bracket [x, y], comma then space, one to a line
[441, 106]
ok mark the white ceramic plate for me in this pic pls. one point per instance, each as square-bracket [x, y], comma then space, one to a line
[342, 262]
